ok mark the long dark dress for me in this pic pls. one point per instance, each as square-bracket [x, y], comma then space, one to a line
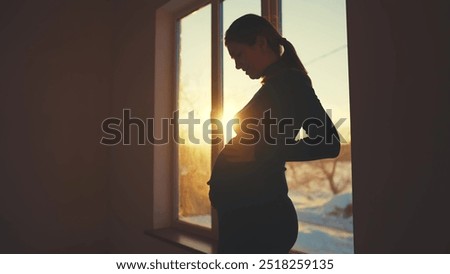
[254, 211]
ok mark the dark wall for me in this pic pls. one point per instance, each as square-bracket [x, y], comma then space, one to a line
[55, 77]
[64, 67]
[399, 85]
[131, 170]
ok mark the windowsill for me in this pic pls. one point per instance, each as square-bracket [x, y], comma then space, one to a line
[186, 240]
[190, 241]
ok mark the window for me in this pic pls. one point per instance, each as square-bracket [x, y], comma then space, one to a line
[203, 83]
[194, 98]
[322, 190]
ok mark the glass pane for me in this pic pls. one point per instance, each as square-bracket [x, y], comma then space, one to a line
[194, 102]
[322, 190]
[238, 87]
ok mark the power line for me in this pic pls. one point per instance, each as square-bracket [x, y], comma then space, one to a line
[326, 54]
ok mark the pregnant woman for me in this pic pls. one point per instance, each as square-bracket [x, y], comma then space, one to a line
[248, 184]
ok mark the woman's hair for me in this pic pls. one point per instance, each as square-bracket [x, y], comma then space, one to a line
[247, 28]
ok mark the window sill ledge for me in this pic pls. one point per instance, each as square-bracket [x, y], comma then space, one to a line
[186, 240]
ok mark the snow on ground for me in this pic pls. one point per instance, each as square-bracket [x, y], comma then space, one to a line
[200, 220]
[323, 240]
[322, 225]
[330, 214]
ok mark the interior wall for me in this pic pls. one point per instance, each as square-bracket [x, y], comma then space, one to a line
[65, 67]
[132, 166]
[55, 88]
[399, 86]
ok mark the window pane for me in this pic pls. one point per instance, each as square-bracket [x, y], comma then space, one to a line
[238, 88]
[194, 98]
[321, 190]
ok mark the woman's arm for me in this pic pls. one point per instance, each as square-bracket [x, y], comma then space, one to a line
[297, 103]
[324, 143]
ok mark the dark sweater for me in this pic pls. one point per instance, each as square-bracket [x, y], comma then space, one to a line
[285, 94]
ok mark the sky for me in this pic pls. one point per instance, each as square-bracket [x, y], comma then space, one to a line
[316, 28]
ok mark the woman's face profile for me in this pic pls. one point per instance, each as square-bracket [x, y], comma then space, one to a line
[251, 59]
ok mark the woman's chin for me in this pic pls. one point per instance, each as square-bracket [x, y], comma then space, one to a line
[253, 76]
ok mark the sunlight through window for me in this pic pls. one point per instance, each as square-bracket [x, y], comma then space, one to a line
[194, 98]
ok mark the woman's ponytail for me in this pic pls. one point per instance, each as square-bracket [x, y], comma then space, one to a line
[290, 57]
